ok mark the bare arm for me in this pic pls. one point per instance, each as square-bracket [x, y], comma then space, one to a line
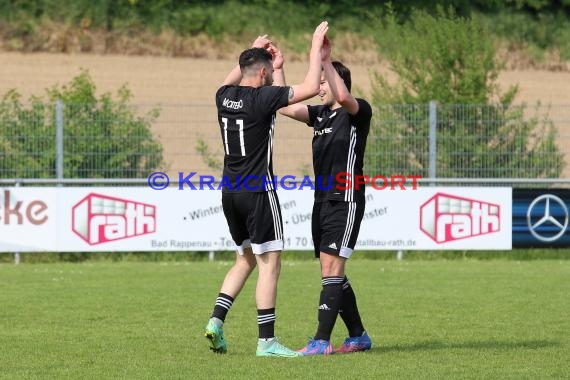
[311, 84]
[234, 77]
[336, 84]
[279, 77]
[297, 111]
[278, 71]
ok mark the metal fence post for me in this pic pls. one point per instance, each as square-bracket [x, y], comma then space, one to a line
[432, 140]
[17, 258]
[59, 139]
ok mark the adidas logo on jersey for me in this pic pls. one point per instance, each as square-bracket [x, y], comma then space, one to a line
[324, 307]
[333, 246]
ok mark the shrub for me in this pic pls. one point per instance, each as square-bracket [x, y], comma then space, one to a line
[103, 137]
[451, 60]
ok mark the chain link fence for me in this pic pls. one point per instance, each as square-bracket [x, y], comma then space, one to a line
[103, 141]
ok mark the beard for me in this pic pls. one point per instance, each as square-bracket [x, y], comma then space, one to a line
[268, 80]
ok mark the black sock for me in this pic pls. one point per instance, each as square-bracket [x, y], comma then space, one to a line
[266, 323]
[222, 306]
[329, 304]
[349, 311]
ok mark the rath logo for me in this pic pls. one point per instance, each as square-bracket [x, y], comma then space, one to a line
[99, 218]
[446, 218]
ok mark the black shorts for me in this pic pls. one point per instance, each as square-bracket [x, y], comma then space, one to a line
[254, 219]
[335, 226]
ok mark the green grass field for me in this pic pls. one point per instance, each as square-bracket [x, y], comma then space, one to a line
[456, 319]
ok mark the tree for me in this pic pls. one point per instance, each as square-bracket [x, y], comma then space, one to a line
[103, 137]
[480, 133]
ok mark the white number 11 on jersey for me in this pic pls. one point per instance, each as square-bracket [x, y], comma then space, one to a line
[239, 123]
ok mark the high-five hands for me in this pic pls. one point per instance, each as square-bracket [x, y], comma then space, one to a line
[320, 34]
[261, 42]
[326, 49]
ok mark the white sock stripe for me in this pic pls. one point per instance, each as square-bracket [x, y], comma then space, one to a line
[335, 278]
[224, 302]
[224, 305]
[262, 319]
[224, 299]
[332, 280]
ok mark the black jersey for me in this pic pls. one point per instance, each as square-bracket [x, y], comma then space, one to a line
[339, 141]
[247, 122]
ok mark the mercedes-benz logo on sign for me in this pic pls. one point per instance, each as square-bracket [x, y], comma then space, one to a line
[552, 215]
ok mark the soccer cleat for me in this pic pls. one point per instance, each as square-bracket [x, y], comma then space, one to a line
[317, 347]
[274, 348]
[215, 334]
[355, 344]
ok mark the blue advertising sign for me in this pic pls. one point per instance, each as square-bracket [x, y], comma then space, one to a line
[540, 218]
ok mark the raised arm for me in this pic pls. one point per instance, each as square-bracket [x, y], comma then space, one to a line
[278, 60]
[234, 77]
[296, 111]
[336, 84]
[311, 84]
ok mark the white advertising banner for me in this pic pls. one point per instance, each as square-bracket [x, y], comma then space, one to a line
[109, 219]
[27, 219]
[435, 218]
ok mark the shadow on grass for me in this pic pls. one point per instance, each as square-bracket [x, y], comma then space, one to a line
[484, 345]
